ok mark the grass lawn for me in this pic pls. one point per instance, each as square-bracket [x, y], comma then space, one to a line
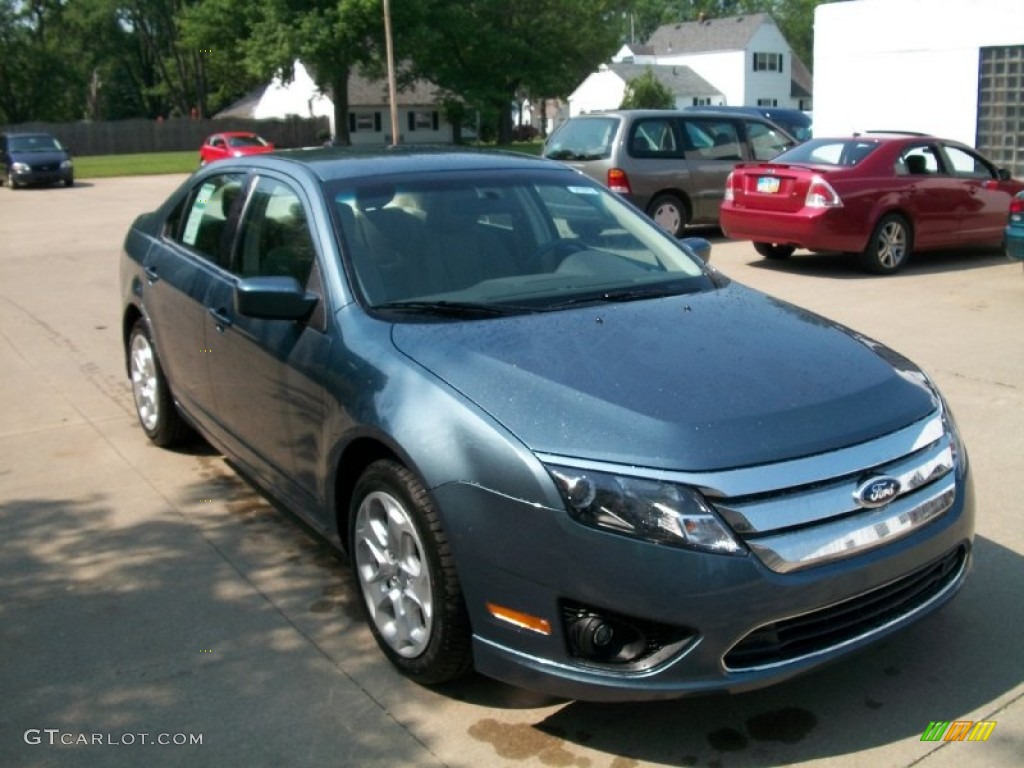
[100, 166]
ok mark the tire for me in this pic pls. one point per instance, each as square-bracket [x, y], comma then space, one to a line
[406, 574]
[669, 213]
[774, 250]
[69, 182]
[154, 405]
[889, 247]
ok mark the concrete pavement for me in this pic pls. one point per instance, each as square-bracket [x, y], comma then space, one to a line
[151, 592]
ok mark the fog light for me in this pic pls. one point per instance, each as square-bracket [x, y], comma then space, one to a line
[603, 639]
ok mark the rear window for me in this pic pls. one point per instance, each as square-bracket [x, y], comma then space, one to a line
[583, 139]
[844, 152]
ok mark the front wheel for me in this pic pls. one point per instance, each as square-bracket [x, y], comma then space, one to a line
[669, 213]
[406, 574]
[154, 405]
[889, 246]
[774, 250]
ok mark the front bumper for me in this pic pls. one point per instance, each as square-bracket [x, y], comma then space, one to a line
[732, 622]
[43, 175]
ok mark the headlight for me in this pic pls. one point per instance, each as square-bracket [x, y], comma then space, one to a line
[662, 513]
[65, 165]
[956, 442]
[20, 167]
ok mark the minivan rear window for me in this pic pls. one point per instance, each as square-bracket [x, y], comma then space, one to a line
[589, 139]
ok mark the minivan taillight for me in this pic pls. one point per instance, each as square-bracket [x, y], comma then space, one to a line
[821, 195]
[619, 182]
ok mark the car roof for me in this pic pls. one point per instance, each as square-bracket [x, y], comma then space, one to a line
[687, 112]
[331, 163]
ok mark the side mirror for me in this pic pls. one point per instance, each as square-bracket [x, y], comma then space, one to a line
[273, 298]
[698, 246]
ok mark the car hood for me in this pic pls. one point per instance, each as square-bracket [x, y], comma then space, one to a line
[715, 380]
[47, 157]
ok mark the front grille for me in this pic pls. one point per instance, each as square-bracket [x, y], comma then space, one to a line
[818, 631]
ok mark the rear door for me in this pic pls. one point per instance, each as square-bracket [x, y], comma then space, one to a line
[713, 146]
[179, 270]
[929, 194]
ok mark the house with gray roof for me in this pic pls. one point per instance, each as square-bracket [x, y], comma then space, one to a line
[747, 57]
[735, 61]
[420, 117]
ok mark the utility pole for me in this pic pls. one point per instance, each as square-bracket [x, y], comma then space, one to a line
[392, 91]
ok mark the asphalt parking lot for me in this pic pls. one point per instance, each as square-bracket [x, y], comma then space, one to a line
[149, 596]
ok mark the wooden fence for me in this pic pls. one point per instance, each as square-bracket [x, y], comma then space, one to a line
[132, 136]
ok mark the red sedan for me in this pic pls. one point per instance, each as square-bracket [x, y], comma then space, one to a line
[879, 195]
[232, 144]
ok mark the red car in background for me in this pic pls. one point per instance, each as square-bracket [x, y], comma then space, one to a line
[879, 195]
[232, 144]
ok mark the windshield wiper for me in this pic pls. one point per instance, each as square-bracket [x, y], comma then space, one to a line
[614, 297]
[455, 308]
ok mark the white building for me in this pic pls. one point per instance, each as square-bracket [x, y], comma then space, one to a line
[420, 117]
[735, 61]
[946, 67]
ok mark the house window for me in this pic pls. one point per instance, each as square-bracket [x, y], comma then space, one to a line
[767, 62]
[702, 101]
[767, 102]
[423, 121]
[364, 122]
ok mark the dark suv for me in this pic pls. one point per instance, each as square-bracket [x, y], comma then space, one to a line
[672, 164]
[35, 158]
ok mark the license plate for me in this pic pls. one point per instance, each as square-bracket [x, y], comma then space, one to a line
[769, 185]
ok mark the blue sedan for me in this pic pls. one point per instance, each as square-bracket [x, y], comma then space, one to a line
[1014, 236]
[556, 445]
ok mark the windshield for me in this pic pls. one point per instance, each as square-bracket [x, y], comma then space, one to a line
[481, 245]
[829, 152]
[587, 138]
[246, 141]
[40, 143]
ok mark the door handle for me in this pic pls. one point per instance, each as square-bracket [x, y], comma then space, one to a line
[220, 318]
[151, 274]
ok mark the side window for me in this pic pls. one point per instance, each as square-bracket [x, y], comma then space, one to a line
[765, 141]
[917, 161]
[967, 165]
[202, 220]
[275, 238]
[653, 137]
[710, 139]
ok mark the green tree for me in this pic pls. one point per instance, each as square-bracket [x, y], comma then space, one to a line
[37, 80]
[331, 37]
[647, 92]
[488, 51]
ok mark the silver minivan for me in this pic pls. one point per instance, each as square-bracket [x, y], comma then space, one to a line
[671, 164]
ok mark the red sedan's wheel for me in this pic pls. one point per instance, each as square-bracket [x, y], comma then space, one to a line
[889, 247]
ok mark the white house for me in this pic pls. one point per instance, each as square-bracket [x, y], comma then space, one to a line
[606, 88]
[745, 57]
[945, 67]
[736, 61]
[420, 117]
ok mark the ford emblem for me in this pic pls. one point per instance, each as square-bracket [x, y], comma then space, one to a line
[877, 491]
